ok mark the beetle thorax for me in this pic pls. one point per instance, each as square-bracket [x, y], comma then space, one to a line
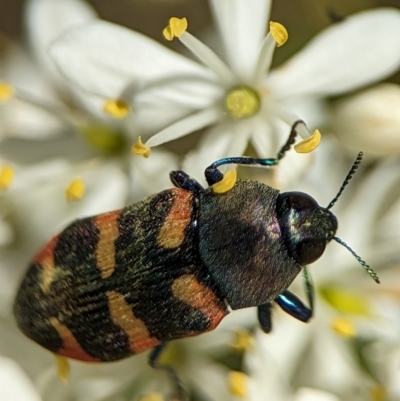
[240, 243]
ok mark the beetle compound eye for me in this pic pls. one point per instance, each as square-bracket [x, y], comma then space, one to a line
[309, 251]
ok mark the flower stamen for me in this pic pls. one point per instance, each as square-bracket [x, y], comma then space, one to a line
[243, 341]
[344, 327]
[279, 33]
[264, 59]
[242, 102]
[238, 384]
[75, 190]
[116, 108]
[7, 175]
[6, 91]
[309, 144]
[63, 367]
[188, 124]
[178, 29]
[175, 28]
[139, 148]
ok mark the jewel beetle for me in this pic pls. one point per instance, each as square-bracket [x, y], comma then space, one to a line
[174, 264]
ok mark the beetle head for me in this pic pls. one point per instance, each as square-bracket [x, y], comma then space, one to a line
[306, 227]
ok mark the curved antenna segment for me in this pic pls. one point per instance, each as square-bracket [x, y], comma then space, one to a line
[353, 169]
[362, 263]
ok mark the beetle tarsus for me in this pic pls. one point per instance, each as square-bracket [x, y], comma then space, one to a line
[294, 306]
[180, 393]
[264, 317]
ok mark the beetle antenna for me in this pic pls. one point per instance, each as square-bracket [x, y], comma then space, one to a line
[349, 176]
[359, 260]
[213, 175]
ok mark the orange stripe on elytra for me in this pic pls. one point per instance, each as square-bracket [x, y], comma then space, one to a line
[105, 250]
[122, 315]
[71, 347]
[188, 289]
[46, 260]
[172, 233]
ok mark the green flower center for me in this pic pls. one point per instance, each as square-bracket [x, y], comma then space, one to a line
[104, 139]
[242, 102]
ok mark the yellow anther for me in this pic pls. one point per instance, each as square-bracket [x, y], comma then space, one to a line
[346, 301]
[75, 190]
[309, 144]
[63, 367]
[153, 397]
[344, 327]
[175, 28]
[226, 184]
[238, 384]
[6, 91]
[279, 33]
[139, 148]
[243, 341]
[7, 175]
[379, 393]
[167, 33]
[116, 108]
[242, 102]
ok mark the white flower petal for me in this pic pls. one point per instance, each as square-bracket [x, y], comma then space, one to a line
[263, 140]
[332, 366]
[192, 93]
[48, 19]
[370, 120]
[242, 24]
[285, 343]
[292, 166]
[360, 50]
[312, 394]
[210, 379]
[152, 175]
[313, 110]
[104, 58]
[241, 132]
[362, 215]
[213, 146]
[6, 232]
[14, 383]
[23, 119]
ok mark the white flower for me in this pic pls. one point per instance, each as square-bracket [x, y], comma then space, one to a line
[370, 120]
[14, 383]
[239, 99]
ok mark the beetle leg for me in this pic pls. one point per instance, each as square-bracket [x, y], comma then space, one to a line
[264, 317]
[182, 180]
[293, 306]
[309, 288]
[153, 362]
